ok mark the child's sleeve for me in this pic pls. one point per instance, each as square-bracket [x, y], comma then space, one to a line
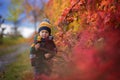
[32, 54]
[32, 51]
[37, 38]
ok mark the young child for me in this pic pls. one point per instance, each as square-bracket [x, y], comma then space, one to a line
[42, 50]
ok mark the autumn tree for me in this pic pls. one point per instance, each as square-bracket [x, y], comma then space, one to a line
[88, 31]
[34, 11]
[15, 10]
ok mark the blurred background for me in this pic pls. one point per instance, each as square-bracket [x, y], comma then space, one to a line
[18, 24]
[20, 18]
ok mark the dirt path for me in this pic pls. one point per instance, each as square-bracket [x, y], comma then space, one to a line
[9, 58]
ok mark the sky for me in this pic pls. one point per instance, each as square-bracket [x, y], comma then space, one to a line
[26, 28]
[3, 7]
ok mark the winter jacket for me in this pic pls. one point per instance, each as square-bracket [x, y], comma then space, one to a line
[46, 46]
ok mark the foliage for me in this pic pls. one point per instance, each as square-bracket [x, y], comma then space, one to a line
[53, 12]
[33, 11]
[88, 34]
[15, 10]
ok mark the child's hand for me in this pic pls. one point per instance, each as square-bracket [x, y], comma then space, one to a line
[37, 46]
[48, 55]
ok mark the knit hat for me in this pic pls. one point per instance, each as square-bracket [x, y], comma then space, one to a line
[45, 25]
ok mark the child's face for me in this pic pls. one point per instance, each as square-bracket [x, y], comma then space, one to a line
[44, 33]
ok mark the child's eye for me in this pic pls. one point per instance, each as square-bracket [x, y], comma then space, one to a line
[46, 32]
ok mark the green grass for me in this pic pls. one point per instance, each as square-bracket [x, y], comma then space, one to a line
[20, 70]
[6, 42]
[6, 46]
